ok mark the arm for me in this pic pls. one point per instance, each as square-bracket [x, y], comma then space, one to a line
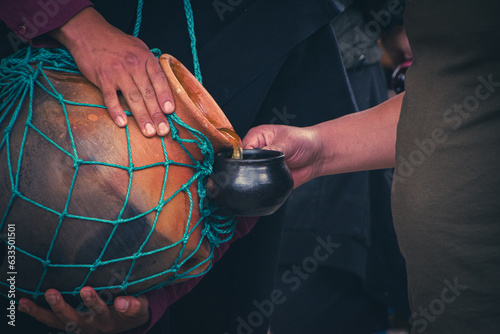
[115, 61]
[355, 142]
[107, 57]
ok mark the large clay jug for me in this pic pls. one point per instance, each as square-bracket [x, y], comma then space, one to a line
[119, 225]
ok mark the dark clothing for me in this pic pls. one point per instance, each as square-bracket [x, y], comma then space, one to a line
[327, 301]
[446, 189]
[299, 92]
[225, 297]
[372, 274]
[366, 270]
[240, 56]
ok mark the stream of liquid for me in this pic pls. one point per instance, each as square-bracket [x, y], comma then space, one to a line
[235, 140]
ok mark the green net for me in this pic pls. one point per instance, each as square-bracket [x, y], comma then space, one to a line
[20, 75]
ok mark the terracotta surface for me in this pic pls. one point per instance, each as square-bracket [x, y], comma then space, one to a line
[47, 172]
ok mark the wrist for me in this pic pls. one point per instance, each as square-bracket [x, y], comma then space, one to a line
[338, 139]
[320, 150]
[72, 33]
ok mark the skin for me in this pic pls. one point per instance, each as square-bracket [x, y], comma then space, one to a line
[126, 313]
[355, 142]
[115, 61]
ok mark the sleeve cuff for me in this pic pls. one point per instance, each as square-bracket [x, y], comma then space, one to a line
[31, 19]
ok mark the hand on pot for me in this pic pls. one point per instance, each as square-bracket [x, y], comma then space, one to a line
[125, 314]
[115, 61]
[302, 149]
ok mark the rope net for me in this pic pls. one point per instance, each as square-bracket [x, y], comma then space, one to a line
[20, 75]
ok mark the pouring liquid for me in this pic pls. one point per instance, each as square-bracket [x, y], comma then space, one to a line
[235, 140]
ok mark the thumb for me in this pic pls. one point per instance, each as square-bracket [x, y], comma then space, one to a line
[132, 307]
[259, 137]
[273, 148]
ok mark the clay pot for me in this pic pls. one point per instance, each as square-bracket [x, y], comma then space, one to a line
[46, 174]
[256, 185]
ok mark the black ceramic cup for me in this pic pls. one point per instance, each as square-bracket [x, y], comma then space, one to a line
[256, 185]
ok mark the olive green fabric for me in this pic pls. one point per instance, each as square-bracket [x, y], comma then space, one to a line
[446, 190]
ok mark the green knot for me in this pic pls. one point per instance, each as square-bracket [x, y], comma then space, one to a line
[204, 149]
[205, 212]
[206, 169]
[8, 130]
[63, 214]
[202, 193]
[94, 266]
[119, 221]
[77, 163]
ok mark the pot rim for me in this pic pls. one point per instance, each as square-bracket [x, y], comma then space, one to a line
[262, 155]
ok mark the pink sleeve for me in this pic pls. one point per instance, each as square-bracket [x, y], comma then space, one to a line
[160, 299]
[29, 19]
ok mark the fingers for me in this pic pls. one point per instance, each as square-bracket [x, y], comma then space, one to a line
[151, 99]
[64, 312]
[96, 306]
[113, 104]
[259, 137]
[61, 316]
[145, 87]
[127, 313]
[132, 307]
[136, 103]
[160, 85]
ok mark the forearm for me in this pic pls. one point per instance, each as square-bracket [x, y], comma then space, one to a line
[80, 28]
[360, 141]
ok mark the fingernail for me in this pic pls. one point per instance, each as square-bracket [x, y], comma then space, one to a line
[120, 121]
[24, 307]
[122, 304]
[150, 130]
[168, 107]
[52, 299]
[162, 128]
[87, 295]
